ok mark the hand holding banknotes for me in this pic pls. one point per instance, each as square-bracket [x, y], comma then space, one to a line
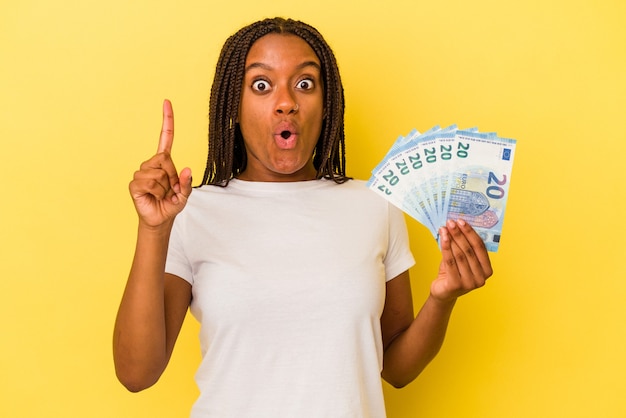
[465, 263]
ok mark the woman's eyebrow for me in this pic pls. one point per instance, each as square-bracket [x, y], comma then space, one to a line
[309, 64]
[269, 68]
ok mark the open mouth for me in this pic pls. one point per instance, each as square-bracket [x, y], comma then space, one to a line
[286, 139]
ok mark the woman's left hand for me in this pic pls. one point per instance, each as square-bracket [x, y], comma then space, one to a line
[465, 265]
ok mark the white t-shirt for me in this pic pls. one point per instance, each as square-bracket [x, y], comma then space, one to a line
[288, 283]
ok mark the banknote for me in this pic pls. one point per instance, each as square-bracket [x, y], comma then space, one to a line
[478, 184]
[398, 178]
[446, 174]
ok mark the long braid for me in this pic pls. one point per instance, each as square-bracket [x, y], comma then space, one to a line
[227, 155]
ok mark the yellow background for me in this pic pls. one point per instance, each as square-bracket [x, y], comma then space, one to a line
[81, 85]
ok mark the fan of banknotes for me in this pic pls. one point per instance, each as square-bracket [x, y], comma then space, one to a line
[446, 174]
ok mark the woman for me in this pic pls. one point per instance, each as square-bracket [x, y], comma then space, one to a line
[297, 274]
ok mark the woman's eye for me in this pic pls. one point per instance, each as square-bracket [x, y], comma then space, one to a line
[260, 85]
[306, 84]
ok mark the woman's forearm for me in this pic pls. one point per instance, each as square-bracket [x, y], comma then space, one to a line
[411, 351]
[139, 342]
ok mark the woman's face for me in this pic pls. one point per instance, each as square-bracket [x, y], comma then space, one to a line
[281, 109]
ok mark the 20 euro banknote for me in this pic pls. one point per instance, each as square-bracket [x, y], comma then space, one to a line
[449, 174]
[478, 184]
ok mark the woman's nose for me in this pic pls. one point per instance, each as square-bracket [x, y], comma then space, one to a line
[286, 104]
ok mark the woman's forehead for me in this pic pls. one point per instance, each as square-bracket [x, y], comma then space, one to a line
[275, 49]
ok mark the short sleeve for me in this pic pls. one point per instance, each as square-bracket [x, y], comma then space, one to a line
[399, 257]
[177, 262]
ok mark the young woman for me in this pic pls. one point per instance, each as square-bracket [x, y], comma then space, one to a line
[297, 274]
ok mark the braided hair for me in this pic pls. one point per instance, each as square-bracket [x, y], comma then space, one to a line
[227, 154]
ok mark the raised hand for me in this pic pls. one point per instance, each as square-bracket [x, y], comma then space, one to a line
[158, 191]
[465, 265]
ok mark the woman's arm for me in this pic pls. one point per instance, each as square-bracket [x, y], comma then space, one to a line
[150, 315]
[411, 343]
[154, 304]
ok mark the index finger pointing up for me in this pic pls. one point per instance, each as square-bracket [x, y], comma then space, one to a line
[167, 129]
